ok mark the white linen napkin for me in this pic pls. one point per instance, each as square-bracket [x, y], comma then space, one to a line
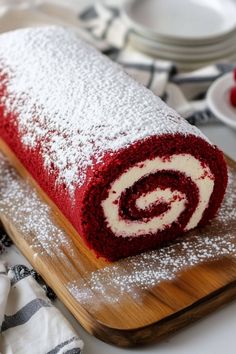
[4, 291]
[28, 320]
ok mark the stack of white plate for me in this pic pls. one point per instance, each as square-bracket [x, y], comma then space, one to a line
[192, 33]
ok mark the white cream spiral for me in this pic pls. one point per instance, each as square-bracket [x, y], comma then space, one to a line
[187, 164]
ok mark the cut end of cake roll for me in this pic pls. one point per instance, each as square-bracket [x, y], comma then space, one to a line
[125, 169]
[151, 193]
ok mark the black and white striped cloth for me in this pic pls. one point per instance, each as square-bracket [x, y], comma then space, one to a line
[29, 323]
[184, 92]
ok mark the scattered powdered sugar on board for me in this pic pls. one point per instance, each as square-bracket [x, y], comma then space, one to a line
[142, 272]
[30, 216]
[20, 204]
[76, 102]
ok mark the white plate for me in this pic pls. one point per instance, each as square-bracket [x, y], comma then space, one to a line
[183, 20]
[217, 48]
[194, 61]
[179, 53]
[218, 100]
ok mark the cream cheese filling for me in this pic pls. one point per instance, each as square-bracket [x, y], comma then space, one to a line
[184, 163]
[158, 196]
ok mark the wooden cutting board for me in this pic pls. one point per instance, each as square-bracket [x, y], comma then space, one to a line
[135, 300]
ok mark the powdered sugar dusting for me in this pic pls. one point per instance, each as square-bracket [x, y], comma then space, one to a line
[31, 217]
[76, 102]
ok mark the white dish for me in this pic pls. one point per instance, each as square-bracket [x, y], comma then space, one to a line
[218, 100]
[185, 21]
[185, 60]
[216, 48]
[178, 53]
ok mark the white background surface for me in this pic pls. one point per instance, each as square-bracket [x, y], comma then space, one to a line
[215, 334]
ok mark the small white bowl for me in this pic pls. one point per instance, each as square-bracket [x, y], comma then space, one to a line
[218, 100]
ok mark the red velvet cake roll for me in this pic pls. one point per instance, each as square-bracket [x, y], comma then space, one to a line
[127, 172]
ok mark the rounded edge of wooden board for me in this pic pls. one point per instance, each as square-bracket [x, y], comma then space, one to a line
[159, 330]
[155, 331]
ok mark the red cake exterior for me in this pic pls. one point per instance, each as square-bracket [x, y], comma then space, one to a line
[126, 171]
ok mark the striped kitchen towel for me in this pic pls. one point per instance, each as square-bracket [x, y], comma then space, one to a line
[29, 323]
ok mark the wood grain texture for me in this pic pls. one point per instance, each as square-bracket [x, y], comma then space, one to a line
[132, 301]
